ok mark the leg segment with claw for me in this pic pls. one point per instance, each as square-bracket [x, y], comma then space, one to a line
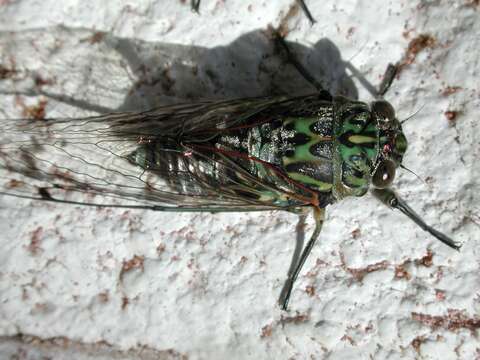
[319, 215]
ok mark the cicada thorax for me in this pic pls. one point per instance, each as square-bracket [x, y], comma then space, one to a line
[308, 157]
[356, 147]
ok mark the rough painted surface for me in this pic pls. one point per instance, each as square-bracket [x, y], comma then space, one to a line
[116, 284]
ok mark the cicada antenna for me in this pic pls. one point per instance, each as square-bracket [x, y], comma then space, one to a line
[412, 172]
[411, 116]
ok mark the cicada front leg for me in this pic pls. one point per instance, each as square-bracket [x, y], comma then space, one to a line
[391, 199]
[387, 80]
[319, 216]
[307, 12]
[378, 92]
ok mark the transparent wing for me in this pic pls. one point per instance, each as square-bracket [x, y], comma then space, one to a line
[60, 159]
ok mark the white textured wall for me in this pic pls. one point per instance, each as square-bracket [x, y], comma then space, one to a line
[375, 286]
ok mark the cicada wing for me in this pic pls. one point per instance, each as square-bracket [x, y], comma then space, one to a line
[99, 156]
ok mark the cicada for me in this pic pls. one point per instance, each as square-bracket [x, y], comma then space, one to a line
[254, 154]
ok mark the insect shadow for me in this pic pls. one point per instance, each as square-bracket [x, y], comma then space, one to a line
[253, 65]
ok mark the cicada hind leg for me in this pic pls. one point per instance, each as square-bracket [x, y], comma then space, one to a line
[297, 263]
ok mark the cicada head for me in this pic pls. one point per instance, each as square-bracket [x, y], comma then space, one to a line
[392, 144]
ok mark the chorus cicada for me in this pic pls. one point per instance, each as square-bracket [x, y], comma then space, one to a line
[254, 154]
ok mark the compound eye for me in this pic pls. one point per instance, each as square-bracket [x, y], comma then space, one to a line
[383, 109]
[384, 174]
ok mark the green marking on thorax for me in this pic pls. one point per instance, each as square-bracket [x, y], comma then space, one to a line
[304, 179]
[302, 152]
[356, 152]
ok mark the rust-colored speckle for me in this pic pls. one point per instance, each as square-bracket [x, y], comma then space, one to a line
[310, 290]
[473, 3]
[266, 331]
[296, 319]
[13, 184]
[359, 274]
[449, 90]
[356, 233]
[125, 302]
[36, 112]
[35, 241]
[160, 249]
[416, 45]
[134, 263]
[40, 81]
[103, 297]
[454, 320]
[283, 29]
[401, 272]
[438, 274]
[426, 260]
[407, 32]
[349, 339]
[417, 342]
[95, 38]
[440, 294]
[451, 115]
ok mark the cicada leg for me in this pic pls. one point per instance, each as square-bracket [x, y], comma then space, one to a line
[300, 231]
[387, 80]
[298, 65]
[306, 11]
[319, 216]
[389, 198]
[195, 4]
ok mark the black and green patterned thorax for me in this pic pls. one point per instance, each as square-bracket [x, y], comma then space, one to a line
[356, 147]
